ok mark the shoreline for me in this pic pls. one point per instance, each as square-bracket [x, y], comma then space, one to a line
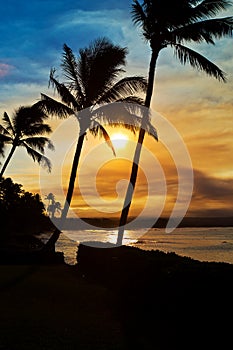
[204, 244]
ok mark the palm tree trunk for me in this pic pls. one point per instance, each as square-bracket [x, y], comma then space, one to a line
[134, 170]
[7, 160]
[50, 245]
[72, 177]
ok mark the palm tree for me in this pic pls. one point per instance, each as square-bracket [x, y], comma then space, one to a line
[53, 206]
[25, 129]
[171, 24]
[50, 197]
[92, 81]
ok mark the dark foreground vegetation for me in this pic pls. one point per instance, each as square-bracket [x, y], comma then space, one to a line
[22, 216]
[116, 298]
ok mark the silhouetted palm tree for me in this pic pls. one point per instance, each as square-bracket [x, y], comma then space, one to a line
[92, 82]
[53, 206]
[25, 130]
[173, 23]
[50, 197]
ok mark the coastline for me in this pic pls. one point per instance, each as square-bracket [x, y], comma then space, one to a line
[204, 244]
[116, 298]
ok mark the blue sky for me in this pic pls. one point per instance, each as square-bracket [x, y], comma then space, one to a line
[32, 34]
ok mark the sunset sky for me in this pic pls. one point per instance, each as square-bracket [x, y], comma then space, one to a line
[198, 107]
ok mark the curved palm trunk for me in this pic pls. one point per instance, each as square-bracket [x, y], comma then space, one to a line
[50, 245]
[72, 177]
[134, 170]
[7, 160]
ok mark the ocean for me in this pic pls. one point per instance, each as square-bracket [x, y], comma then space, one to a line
[201, 243]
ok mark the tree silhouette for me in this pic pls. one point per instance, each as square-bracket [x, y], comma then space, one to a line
[20, 211]
[25, 130]
[53, 206]
[50, 197]
[171, 24]
[91, 82]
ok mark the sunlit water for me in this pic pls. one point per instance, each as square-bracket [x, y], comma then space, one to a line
[204, 244]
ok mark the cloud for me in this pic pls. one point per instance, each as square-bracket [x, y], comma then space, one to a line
[32, 36]
[213, 188]
[212, 195]
[14, 95]
[43, 26]
[115, 23]
[32, 43]
[5, 69]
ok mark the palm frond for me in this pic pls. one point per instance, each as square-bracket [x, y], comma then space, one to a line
[83, 72]
[8, 124]
[28, 118]
[126, 115]
[137, 14]
[39, 114]
[97, 129]
[37, 129]
[151, 130]
[204, 30]
[99, 66]
[148, 127]
[38, 157]
[21, 120]
[144, 114]
[4, 131]
[209, 8]
[124, 87]
[64, 92]
[117, 113]
[132, 99]
[156, 17]
[4, 139]
[196, 60]
[55, 108]
[70, 70]
[38, 143]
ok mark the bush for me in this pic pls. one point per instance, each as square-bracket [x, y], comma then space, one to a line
[21, 212]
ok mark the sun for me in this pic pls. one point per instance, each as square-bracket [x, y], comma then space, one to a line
[119, 140]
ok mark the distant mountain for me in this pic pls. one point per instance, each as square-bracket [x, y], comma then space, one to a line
[99, 223]
[207, 222]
